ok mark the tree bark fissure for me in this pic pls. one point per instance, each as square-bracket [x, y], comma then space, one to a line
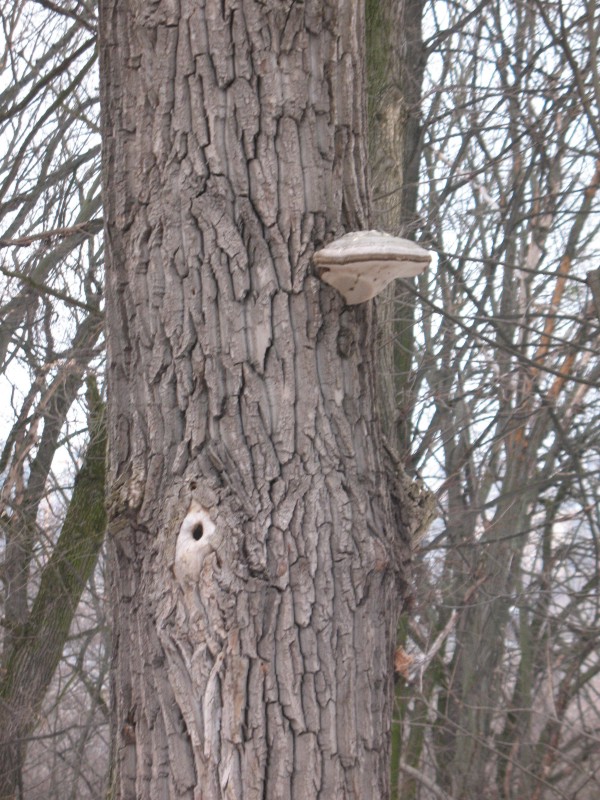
[240, 385]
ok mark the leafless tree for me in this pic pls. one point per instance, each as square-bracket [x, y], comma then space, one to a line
[50, 339]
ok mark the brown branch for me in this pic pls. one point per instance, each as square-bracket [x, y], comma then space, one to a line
[66, 12]
[427, 782]
[593, 280]
[41, 288]
[566, 262]
[91, 227]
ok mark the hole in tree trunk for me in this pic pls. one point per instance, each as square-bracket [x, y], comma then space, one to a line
[198, 531]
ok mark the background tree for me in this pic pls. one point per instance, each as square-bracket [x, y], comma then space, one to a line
[396, 59]
[395, 63]
[50, 338]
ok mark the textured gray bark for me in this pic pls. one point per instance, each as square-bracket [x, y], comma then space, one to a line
[241, 389]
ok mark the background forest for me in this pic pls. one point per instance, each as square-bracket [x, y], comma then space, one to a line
[485, 132]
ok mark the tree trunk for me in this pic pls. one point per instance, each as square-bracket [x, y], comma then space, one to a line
[256, 556]
[396, 58]
[37, 645]
[395, 67]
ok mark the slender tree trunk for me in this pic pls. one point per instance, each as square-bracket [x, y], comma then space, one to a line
[37, 645]
[396, 60]
[395, 66]
[256, 557]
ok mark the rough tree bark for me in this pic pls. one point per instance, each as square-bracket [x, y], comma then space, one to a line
[254, 661]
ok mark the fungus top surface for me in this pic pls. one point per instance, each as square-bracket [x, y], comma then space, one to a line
[361, 246]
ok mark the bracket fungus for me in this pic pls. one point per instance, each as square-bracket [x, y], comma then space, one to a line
[361, 264]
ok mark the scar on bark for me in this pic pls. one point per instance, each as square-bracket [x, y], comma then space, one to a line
[197, 538]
